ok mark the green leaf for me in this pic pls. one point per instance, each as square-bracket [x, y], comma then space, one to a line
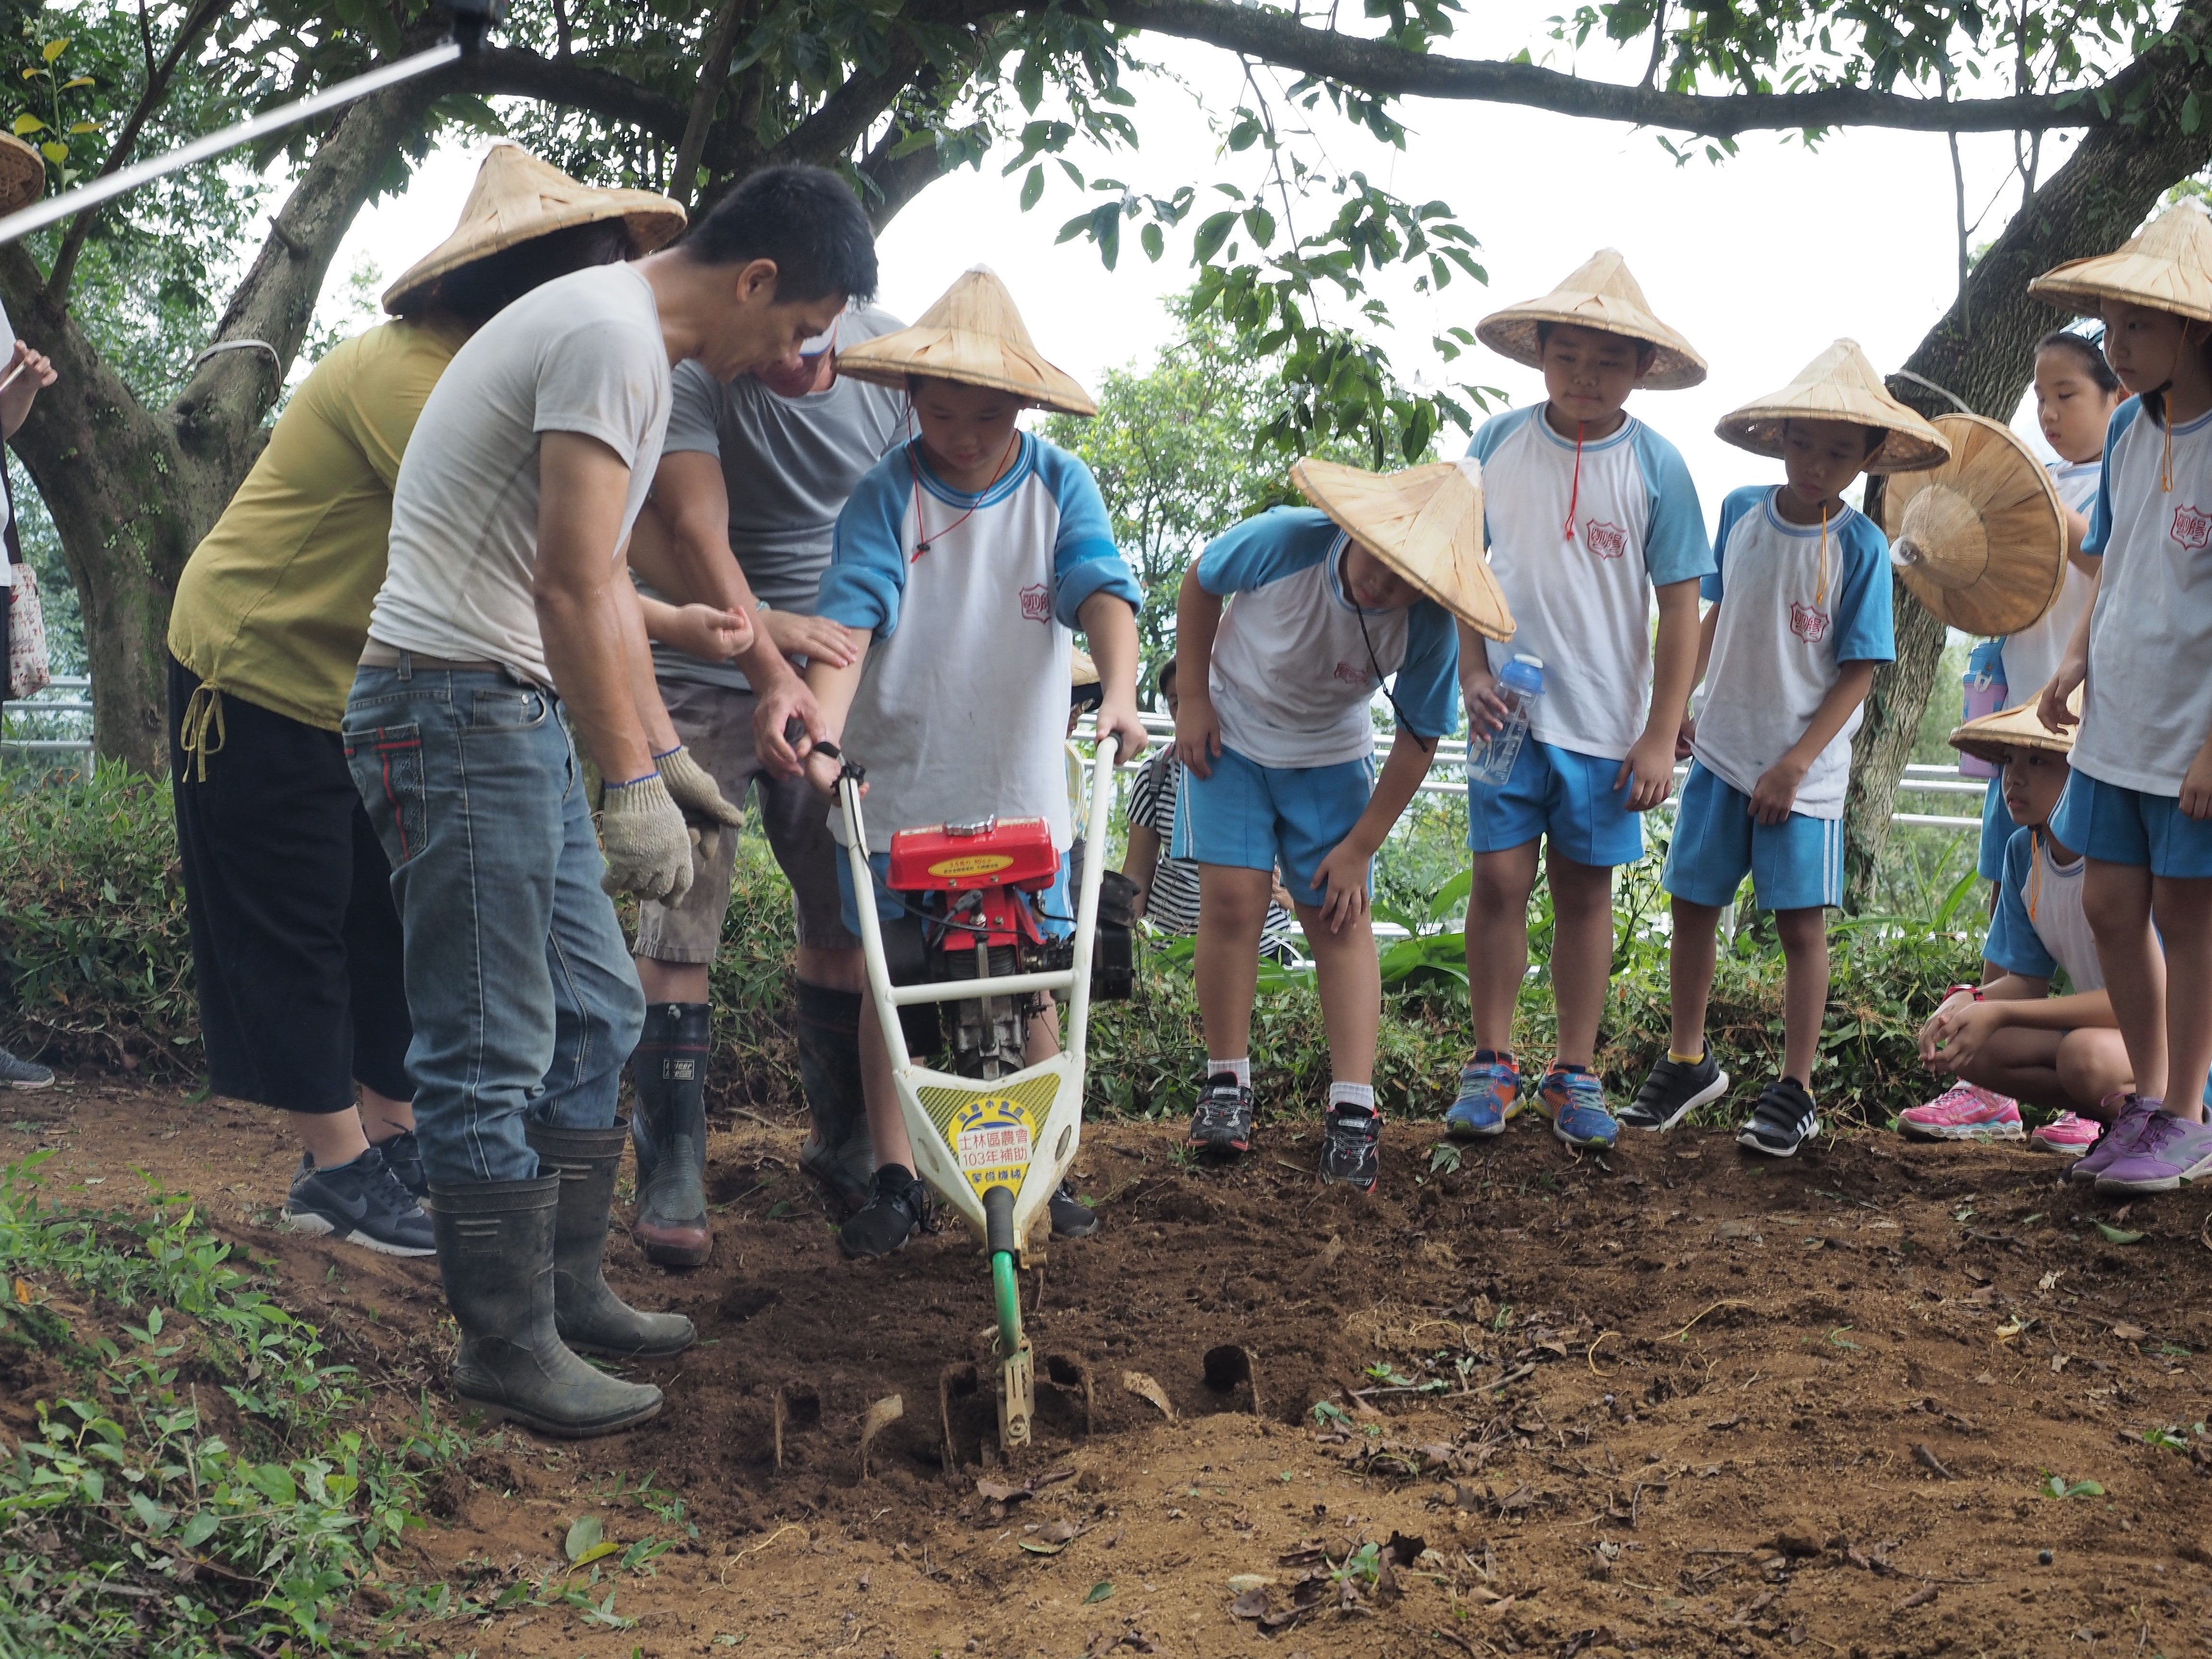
[80, 80]
[274, 1482]
[1211, 234]
[1033, 187]
[1106, 231]
[157, 1518]
[2191, 115]
[25, 123]
[598, 1552]
[54, 49]
[199, 1530]
[1260, 223]
[583, 1532]
[1099, 1592]
[54, 151]
[1155, 243]
[2118, 1235]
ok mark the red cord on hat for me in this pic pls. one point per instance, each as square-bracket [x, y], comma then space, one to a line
[1575, 495]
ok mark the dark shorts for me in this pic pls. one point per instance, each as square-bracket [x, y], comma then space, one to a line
[296, 940]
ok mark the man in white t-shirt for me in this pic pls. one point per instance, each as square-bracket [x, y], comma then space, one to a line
[507, 606]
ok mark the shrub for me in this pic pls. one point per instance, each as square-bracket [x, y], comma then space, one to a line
[95, 963]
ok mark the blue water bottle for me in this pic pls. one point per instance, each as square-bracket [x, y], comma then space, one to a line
[1489, 762]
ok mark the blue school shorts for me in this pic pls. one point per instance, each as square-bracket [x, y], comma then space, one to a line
[1055, 913]
[2127, 826]
[1561, 793]
[1250, 817]
[1998, 826]
[1795, 865]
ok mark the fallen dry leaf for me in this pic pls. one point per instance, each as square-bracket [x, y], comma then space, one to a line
[1144, 1388]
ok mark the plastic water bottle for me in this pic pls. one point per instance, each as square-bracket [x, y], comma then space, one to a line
[1985, 694]
[1489, 762]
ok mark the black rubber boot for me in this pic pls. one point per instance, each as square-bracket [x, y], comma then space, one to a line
[669, 1071]
[838, 1156]
[590, 1317]
[495, 1255]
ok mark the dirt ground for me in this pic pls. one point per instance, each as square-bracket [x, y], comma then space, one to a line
[1686, 1405]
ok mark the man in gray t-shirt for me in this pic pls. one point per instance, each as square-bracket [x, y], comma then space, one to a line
[752, 479]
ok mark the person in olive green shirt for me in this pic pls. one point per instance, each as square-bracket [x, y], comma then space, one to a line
[296, 946]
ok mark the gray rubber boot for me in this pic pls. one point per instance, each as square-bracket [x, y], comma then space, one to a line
[589, 1315]
[495, 1255]
[838, 1156]
[668, 1070]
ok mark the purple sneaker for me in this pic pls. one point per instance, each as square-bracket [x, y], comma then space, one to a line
[2128, 1116]
[2168, 1152]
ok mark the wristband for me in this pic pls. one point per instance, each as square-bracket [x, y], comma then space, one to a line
[1973, 991]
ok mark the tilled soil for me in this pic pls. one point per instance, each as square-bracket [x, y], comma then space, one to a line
[1687, 1404]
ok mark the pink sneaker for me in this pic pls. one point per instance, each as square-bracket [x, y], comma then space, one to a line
[1965, 1111]
[2069, 1134]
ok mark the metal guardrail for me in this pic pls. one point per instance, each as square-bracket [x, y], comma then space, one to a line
[70, 696]
[67, 700]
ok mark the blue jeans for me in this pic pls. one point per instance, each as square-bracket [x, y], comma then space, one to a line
[525, 1001]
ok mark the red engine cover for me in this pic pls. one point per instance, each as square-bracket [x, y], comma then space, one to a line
[964, 857]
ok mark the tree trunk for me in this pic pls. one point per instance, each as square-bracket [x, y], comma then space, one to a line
[1984, 353]
[131, 489]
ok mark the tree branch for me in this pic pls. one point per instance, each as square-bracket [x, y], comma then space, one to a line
[153, 95]
[1376, 66]
[721, 45]
[825, 135]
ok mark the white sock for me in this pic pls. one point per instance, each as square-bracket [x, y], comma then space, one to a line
[1361, 1095]
[1239, 1069]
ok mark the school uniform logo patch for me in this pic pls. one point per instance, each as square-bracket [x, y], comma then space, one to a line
[2192, 528]
[1351, 673]
[1607, 540]
[1037, 603]
[1808, 623]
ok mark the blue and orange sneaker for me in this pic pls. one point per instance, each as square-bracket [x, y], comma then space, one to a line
[1489, 1095]
[1575, 1102]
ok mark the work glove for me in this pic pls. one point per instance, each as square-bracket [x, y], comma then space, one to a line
[647, 843]
[700, 798]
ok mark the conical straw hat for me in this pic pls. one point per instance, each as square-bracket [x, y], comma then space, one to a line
[1425, 523]
[1838, 384]
[23, 173]
[2167, 265]
[516, 198]
[1601, 295]
[973, 335]
[1980, 540]
[1990, 736]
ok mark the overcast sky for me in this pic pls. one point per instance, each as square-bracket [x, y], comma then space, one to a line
[1760, 261]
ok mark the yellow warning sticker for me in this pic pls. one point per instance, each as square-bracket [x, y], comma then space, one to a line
[971, 864]
[993, 1136]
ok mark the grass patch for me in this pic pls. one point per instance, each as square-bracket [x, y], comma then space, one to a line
[188, 1481]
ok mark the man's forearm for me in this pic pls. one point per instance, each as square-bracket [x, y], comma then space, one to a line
[587, 649]
[644, 690]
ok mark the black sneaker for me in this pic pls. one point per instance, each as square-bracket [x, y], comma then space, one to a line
[1070, 1217]
[23, 1073]
[1222, 1124]
[1673, 1091]
[358, 1203]
[1782, 1122]
[403, 1156]
[897, 1204]
[1351, 1148]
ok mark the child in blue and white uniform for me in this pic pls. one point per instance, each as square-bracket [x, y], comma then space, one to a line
[1799, 623]
[2139, 805]
[1287, 626]
[1590, 514]
[2075, 393]
[962, 561]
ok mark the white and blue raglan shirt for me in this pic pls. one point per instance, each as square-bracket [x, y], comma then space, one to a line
[1792, 612]
[1582, 602]
[2039, 926]
[962, 710]
[2031, 656]
[2147, 709]
[1292, 677]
